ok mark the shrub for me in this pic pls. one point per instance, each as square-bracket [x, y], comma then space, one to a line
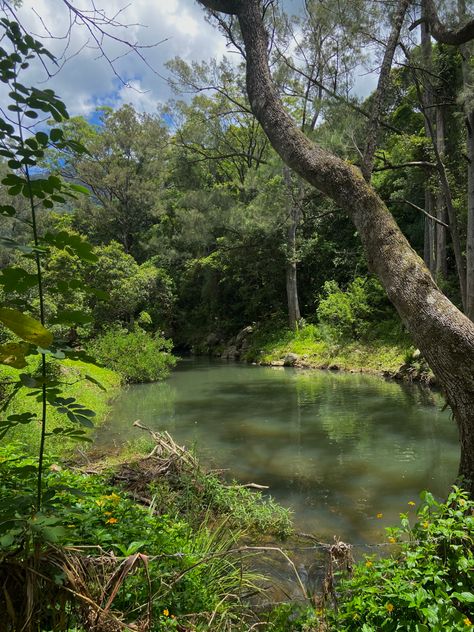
[428, 585]
[351, 313]
[136, 355]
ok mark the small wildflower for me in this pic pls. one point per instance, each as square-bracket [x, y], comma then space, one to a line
[467, 621]
[172, 616]
[462, 502]
[369, 563]
[166, 612]
[389, 607]
[426, 524]
[392, 540]
[111, 521]
[380, 515]
[356, 616]
[411, 503]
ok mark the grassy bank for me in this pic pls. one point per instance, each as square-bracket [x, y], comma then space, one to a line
[94, 393]
[156, 538]
[383, 350]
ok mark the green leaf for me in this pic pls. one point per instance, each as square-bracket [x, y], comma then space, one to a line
[17, 280]
[72, 317]
[7, 210]
[26, 327]
[13, 354]
[89, 378]
[464, 597]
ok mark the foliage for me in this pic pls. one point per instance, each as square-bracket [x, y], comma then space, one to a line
[384, 348]
[351, 313]
[204, 494]
[427, 585]
[24, 146]
[188, 571]
[94, 392]
[136, 355]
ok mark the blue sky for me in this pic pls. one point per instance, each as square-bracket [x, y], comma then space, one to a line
[87, 81]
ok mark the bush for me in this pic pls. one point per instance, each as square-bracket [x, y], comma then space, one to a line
[352, 313]
[190, 571]
[428, 586]
[136, 355]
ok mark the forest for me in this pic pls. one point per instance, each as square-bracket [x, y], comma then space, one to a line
[266, 237]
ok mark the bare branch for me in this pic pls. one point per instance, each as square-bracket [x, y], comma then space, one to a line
[422, 210]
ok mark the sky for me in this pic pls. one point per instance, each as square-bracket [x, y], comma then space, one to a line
[87, 81]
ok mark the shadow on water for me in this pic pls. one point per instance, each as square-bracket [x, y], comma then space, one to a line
[339, 449]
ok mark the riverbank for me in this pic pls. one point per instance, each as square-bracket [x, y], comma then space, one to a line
[385, 352]
[92, 386]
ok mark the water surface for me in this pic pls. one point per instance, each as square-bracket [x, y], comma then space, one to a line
[337, 448]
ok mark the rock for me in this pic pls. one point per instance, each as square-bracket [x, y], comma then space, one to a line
[243, 333]
[416, 354]
[276, 363]
[290, 359]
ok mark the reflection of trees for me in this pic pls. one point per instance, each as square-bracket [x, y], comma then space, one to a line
[334, 445]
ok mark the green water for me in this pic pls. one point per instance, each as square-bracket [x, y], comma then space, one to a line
[337, 448]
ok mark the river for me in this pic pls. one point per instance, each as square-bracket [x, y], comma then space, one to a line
[347, 452]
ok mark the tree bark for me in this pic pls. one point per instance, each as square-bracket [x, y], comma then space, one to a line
[442, 333]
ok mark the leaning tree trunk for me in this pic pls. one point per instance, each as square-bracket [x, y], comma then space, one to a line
[442, 333]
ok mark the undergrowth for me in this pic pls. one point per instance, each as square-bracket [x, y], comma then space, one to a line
[95, 393]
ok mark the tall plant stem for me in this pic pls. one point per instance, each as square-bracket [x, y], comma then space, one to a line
[39, 275]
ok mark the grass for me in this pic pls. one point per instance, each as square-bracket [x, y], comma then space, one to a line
[385, 349]
[72, 374]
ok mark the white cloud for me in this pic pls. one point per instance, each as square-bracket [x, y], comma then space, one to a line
[87, 80]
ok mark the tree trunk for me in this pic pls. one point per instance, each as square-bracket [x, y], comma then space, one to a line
[468, 81]
[430, 227]
[380, 97]
[470, 217]
[442, 333]
[294, 314]
[441, 267]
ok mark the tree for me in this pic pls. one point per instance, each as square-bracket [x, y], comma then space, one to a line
[444, 335]
[124, 170]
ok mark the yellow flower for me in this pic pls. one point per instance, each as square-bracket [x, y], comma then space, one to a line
[467, 621]
[389, 607]
[369, 563]
[111, 521]
[107, 513]
[426, 524]
[411, 503]
[392, 540]
[166, 612]
[380, 515]
[100, 502]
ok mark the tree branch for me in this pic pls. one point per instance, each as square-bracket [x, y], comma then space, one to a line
[440, 31]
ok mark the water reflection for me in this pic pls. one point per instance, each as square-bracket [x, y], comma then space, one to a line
[337, 448]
